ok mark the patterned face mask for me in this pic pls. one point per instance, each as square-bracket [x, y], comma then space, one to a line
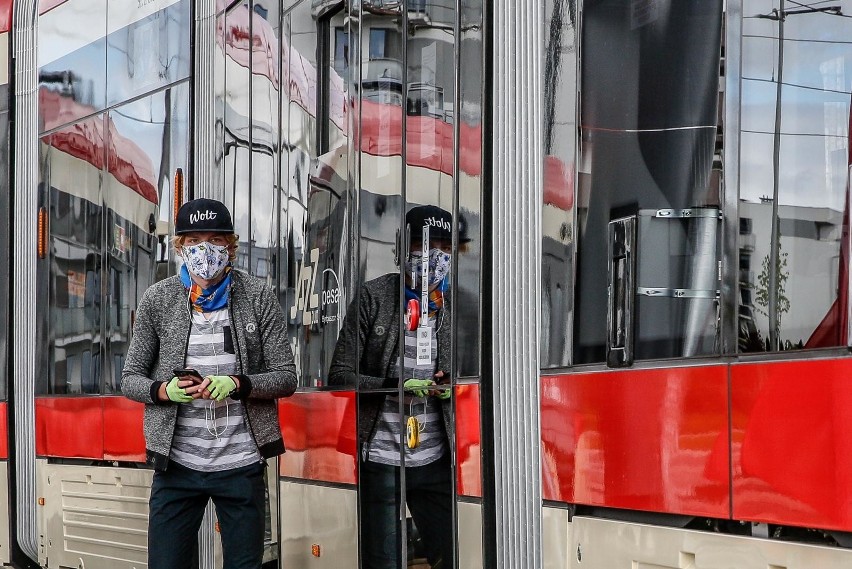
[205, 260]
[439, 267]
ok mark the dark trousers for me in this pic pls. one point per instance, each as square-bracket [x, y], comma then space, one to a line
[429, 497]
[178, 498]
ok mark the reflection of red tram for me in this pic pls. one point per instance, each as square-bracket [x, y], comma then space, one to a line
[650, 325]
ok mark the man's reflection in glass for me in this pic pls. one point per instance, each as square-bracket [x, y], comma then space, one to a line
[369, 342]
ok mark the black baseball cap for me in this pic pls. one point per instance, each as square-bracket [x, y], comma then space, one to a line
[440, 223]
[205, 215]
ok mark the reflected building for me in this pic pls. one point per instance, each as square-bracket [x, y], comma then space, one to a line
[808, 271]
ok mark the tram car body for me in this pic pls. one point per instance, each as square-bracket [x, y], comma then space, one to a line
[691, 276]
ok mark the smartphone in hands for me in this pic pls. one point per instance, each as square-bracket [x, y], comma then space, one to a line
[188, 373]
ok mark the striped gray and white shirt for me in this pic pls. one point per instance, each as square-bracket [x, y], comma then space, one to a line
[384, 448]
[212, 436]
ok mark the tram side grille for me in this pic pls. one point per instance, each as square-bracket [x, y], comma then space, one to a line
[97, 515]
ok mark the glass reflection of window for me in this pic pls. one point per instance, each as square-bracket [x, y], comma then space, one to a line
[794, 201]
[75, 218]
[648, 150]
[378, 43]
[341, 51]
[558, 215]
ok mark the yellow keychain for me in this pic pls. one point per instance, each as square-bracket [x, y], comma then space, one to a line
[413, 427]
[412, 432]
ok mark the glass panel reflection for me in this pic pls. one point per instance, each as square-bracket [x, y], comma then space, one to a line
[265, 68]
[649, 142]
[139, 167]
[72, 55]
[237, 115]
[427, 347]
[72, 159]
[557, 214]
[320, 231]
[793, 280]
[147, 48]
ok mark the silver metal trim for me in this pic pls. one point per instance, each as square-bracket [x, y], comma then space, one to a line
[25, 53]
[676, 292]
[731, 177]
[203, 182]
[204, 104]
[518, 158]
[693, 212]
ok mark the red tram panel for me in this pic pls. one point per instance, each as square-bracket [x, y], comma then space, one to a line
[70, 427]
[791, 457]
[123, 437]
[653, 440]
[319, 432]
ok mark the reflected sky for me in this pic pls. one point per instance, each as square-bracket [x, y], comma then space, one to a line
[815, 97]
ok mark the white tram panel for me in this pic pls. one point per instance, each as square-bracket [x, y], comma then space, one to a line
[605, 544]
[320, 516]
[93, 518]
[5, 554]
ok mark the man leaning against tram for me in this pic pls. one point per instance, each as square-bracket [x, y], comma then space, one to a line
[208, 357]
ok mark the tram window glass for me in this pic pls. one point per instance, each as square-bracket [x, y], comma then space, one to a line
[468, 150]
[265, 67]
[220, 90]
[315, 178]
[73, 194]
[648, 140]
[263, 236]
[72, 55]
[795, 277]
[560, 147]
[285, 273]
[237, 149]
[147, 48]
[140, 160]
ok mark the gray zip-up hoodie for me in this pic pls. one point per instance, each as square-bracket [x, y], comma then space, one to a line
[158, 346]
[366, 355]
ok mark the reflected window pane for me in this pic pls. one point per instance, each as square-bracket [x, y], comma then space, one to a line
[72, 60]
[72, 184]
[793, 277]
[146, 48]
[648, 134]
[139, 168]
[559, 173]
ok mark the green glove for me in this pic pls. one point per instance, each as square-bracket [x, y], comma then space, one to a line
[221, 386]
[445, 393]
[177, 393]
[417, 385]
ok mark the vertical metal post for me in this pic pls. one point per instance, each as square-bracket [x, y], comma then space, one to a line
[24, 289]
[202, 183]
[517, 198]
[775, 244]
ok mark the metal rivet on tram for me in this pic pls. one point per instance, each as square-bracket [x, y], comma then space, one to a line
[41, 501]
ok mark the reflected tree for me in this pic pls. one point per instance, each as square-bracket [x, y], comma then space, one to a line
[762, 289]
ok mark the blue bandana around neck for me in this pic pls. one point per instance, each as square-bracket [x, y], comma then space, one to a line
[207, 299]
[436, 297]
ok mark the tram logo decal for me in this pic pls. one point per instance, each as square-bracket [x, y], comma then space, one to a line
[308, 301]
